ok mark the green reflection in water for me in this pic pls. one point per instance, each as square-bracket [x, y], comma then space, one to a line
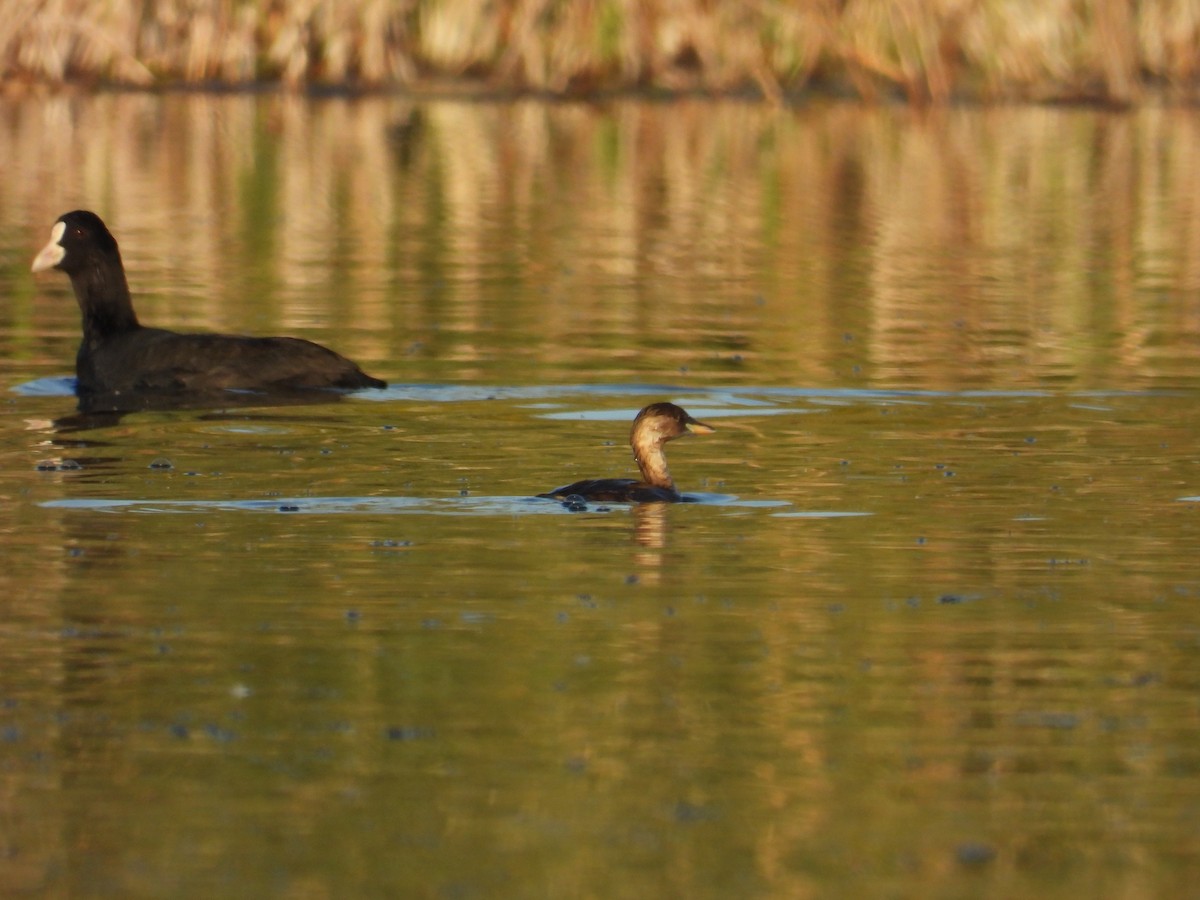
[693, 242]
[932, 633]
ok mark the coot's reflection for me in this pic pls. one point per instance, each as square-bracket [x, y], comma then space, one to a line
[106, 410]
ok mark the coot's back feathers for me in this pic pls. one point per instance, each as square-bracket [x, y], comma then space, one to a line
[118, 355]
[153, 359]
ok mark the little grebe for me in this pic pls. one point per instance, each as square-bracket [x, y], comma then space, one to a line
[118, 355]
[653, 427]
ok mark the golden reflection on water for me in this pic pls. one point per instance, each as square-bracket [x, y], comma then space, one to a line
[294, 664]
[683, 698]
[725, 241]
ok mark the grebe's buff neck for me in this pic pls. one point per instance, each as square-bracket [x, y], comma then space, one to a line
[653, 427]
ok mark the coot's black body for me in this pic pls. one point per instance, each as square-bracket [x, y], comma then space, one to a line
[120, 356]
[653, 427]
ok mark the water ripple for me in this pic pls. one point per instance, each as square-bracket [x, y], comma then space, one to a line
[450, 506]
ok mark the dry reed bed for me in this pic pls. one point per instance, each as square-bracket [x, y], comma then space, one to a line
[1103, 50]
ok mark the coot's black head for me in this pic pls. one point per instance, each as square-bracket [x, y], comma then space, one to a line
[76, 238]
[666, 421]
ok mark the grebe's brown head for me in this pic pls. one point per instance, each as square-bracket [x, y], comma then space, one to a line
[662, 422]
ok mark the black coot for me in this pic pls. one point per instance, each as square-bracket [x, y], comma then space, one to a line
[119, 356]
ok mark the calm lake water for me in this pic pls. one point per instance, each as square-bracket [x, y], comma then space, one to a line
[933, 631]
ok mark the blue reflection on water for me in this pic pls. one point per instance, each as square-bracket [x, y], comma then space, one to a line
[454, 506]
[749, 396]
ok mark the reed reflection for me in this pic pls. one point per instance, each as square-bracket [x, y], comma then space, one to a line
[723, 242]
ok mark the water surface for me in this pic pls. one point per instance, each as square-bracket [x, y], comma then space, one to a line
[930, 631]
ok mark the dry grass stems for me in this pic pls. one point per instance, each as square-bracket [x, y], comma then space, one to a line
[926, 50]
